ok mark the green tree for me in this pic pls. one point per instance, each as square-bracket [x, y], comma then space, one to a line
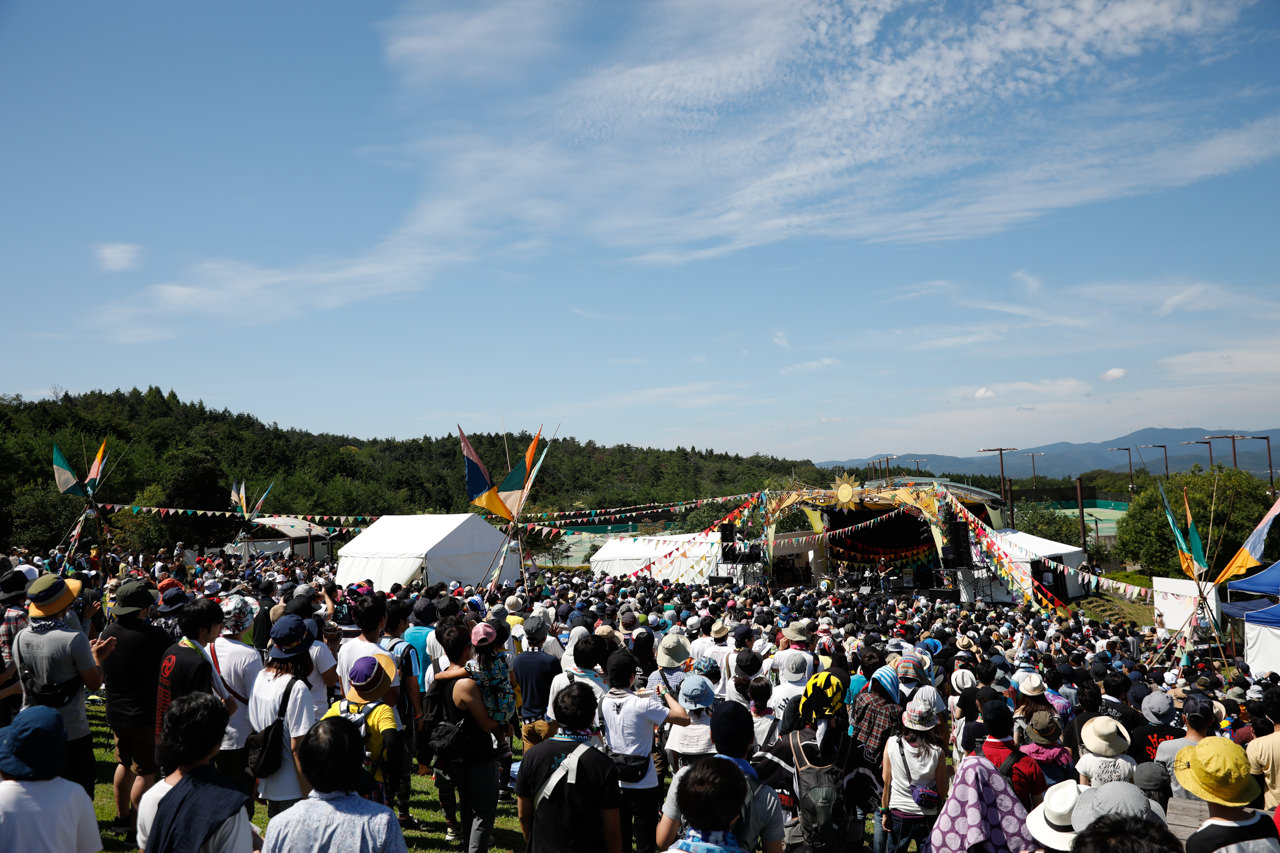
[1226, 505]
[42, 516]
[141, 531]
[1040, 520]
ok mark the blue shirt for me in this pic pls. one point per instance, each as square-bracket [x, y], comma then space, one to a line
[416, 636]
[337, 822]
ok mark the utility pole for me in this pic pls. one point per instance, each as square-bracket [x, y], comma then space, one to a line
[1007, 497]
[1271, 477]
[1165, 447]
[1033, 468]
[1209, 444]
[1129, 451]
[1084, 531]
[1233, 446]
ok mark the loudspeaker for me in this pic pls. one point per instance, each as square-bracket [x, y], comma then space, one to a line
[958, 540]
[727, 532]
[941, 594]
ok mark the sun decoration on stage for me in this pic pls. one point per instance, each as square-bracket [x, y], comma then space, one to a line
[846, 489]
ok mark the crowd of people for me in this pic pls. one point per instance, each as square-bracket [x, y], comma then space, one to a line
[614, 713]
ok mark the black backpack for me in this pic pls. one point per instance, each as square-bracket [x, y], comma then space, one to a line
[266, 748]
[819, 801]
[443, 735]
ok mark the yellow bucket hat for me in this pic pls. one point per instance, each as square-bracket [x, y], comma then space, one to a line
[1216, 770]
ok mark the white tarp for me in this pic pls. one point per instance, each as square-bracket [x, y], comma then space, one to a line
[398, 548]
[696, 555]
[294, 528]
[1176, 599]
[1026, 547]
[1261, 646]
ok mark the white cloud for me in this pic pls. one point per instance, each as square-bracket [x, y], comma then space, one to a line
[1029, 281]
[1113, 374]
[810, 366]
[1240, 362]
[780, 338]
[117, 257]
[984, 393]
[1055, 388]
[688, 131]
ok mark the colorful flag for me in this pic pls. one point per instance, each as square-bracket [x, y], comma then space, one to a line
[480, 488]
[258, 507]
[533, 475]
[235, 494]
[95, 470]
[1196, 549]
[1184, 556]
[1250, 553]
[68, 483]
[511, 491]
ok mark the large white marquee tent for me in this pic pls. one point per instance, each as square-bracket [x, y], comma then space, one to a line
[401, 548]
[696, 556]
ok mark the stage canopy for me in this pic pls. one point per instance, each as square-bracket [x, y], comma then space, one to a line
[696, 555]
[400, 548]
[1265, 582]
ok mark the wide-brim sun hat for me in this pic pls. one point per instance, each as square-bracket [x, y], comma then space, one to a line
[1032, 685]
[370, 678]
[672, 652]
[797, 632]
[51, 595]
[1217, 771]
[34, 745]
[1114, 798]
[919, 716]
[1050, 822]
[1105, 736]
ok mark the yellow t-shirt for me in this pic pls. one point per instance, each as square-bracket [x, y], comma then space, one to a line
[381, 719]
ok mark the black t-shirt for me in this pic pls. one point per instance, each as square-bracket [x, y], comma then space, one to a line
[534, 672]
[1144, 740]
[569, 819]
[1071, 737]
[1256, 834]
[183, 671]
[132, 672]
[1127, 716]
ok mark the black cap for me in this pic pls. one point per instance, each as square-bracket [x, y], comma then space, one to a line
[13, 584]
[424, 612]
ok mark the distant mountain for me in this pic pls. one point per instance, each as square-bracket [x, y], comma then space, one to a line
[1065, 459]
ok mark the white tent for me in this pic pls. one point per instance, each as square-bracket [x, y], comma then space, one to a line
[696, 556]
[400, 548]
[1025, 550]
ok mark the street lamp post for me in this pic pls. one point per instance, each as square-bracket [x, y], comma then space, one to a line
[1033, 468]
[1165, 447]
[917, 461]
[1271, 477]
[1208, 444]
[1233, 438]
[1007, 498]
[1128, 450]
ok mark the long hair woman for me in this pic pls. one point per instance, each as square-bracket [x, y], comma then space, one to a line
[915, 778]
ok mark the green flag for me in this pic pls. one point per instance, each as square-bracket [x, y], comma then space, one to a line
[66, 479]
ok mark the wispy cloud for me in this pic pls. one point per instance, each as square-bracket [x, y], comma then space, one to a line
[780, 338]
[1029, 281]
[1255, 361]
[810, 366]
[690, 130]
[1055, 388]
[1113, 374]
[117, 257]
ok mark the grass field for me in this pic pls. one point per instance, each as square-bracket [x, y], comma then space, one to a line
[424, 805]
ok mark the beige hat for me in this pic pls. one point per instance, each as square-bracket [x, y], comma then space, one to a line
[1032, 685]
[673, 651]
[964, 643]
[1050, 822]
[719, 630]
[1105, 736]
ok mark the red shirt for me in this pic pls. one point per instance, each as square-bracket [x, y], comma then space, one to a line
[1028, 778]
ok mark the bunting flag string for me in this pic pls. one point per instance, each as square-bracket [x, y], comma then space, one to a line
[602, 516]
[682, 547]
[838, 533]
[345, 523]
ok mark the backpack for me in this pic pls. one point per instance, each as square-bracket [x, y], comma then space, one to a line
[819, 801]
[359, 718]
[266, 748]
[442, 735]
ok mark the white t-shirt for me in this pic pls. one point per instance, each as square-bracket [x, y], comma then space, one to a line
[693, 739]
[239, 665]
[49, 816]
[233, 836]
[354, 649]
[784, 691]
[699, 647]
[628, 724]
[299, 716]
[780, 659]
[1102, 769]
[322, 660]
[561, 681]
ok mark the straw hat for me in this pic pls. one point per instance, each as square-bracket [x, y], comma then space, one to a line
[719, 630]
[1216, 770]
[1032, 685]
[1105, 736]
[1050, 822]
[964, 643]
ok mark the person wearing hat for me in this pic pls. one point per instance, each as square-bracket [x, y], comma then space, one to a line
[62, 662]
[914, 760]
[1050, 822]
[13, 618]
[172, 602]
[674, 661]
[132, 680]
[1202, 722]
[691, 743]
[999, 748]
[40, 812]
[238, 665]
[534, 671]
[1103, 758]
[284, 675]
[1159, 726]
[364, 705]
[1217, 771]
[1117, 798]
[1042, 740]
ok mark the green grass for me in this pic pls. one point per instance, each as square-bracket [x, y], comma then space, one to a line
[423, 805]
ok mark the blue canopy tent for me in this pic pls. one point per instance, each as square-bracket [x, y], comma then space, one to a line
[1265, 582]
[1241, 609]
[1262, 638]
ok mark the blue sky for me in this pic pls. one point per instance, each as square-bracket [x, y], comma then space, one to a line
[804, 228]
